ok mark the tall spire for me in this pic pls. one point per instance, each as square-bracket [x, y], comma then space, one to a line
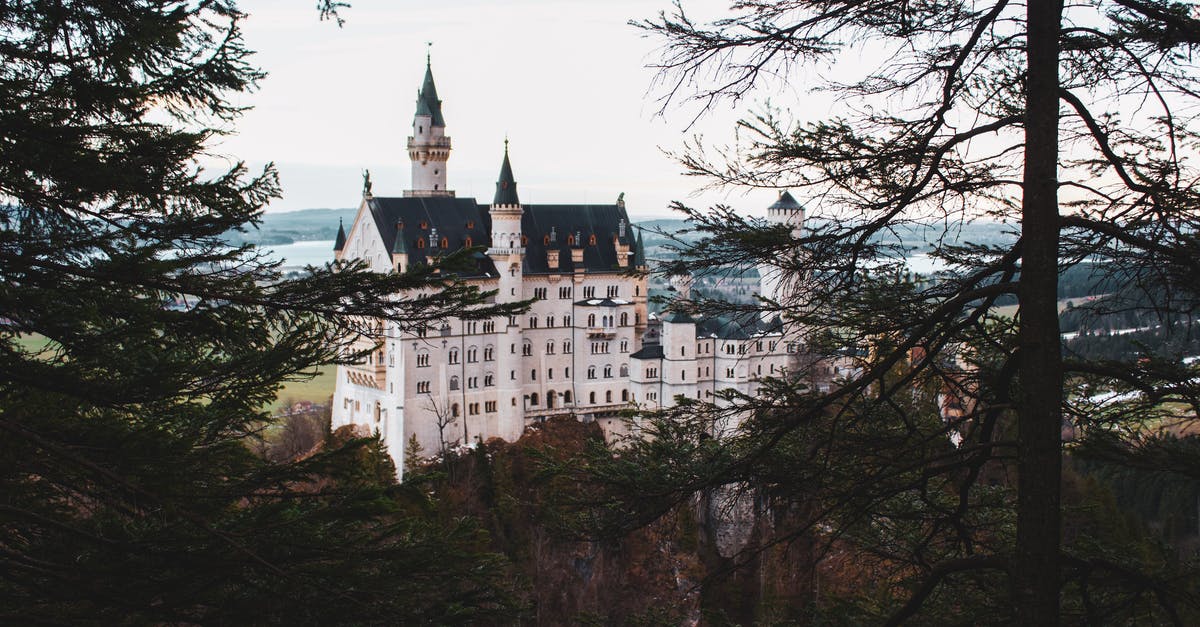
[639, 252]
[427, 99]
[428, 146]
[506, 186]
[340, 242]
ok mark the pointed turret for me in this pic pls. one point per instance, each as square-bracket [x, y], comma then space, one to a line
[340, 242]
[506, 186]
[399, 247]
[639, 252]
[785, 203]
[427, 99]
[428, 146]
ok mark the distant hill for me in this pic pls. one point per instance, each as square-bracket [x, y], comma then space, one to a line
[286, 227]
[915, 238]
[321, 224]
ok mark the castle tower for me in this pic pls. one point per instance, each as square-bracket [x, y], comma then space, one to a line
[507, 252]
[773, 285]
[428, 146]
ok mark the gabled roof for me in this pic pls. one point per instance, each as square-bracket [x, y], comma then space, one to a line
[404, 221]
[427, 99]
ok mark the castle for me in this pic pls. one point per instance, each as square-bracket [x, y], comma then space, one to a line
[587, 347]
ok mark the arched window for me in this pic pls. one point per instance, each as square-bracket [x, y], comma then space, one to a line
[420, 242]
[567, 397]
[624, 370]
[453, 383]
[591, 372]
[624, 319]
[445, 242]
[533, 399]
[608, 396]
[591, 320]
[424, 225]
[624, 396]
[524, 240]
[592, 239]
[570, 240]
[549, 399]
[592, 398]
[454, 410]
[467, 242]
[454, 355]
[608, 372]
[545, 240]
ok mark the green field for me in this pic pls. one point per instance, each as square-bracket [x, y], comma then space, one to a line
[317, 390]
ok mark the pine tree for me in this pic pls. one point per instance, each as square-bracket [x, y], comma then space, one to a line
[974, 109]
[130, 490]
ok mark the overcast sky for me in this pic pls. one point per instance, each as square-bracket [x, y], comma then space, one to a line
[565, 80]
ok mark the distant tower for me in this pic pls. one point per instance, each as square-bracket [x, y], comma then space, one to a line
[507, 252]
[773, 285]
[428, 146]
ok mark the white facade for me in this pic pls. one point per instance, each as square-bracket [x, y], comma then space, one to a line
[579, 349]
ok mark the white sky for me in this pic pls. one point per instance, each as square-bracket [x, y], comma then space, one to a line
[565, 79]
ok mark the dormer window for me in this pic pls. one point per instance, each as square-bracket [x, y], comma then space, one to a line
[546, 240]
[470, 224]
[424, 225]
[467, 242]
[524, 240]
[445, 242]
[421, 243]
[592, 239]
[570, 240]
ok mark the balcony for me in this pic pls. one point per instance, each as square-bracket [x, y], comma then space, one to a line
[440, 142]
[602, 332]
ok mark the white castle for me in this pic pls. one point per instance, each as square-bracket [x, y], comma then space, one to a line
[587, 347]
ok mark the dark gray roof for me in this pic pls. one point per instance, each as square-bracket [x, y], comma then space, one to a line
[427, 99]
[785, 202]
[340, 242]
[738, 326]
[639, 252]
[413, 222]
[506, 185]
[678, 317]
[457, 219]
[566, 222]
[649, 351]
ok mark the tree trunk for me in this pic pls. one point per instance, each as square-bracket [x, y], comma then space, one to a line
[1036, 570]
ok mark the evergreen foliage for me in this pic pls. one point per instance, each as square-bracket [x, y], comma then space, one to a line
[130, 490]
